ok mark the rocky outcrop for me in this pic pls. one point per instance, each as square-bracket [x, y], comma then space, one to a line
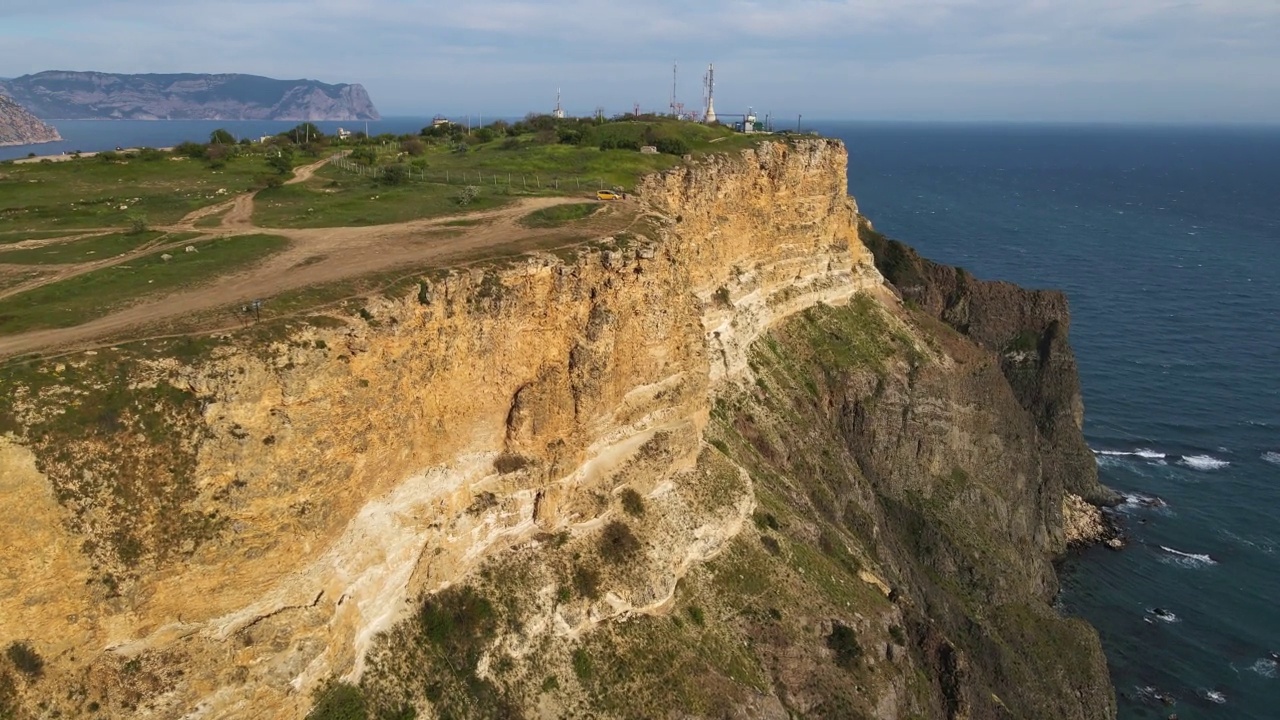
[19, 127]
[708, 468]
[1029, 331]
[107, 96]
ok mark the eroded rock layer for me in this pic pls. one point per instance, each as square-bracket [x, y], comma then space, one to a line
[713, 469]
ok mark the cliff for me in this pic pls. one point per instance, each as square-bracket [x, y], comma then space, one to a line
[19, 127]
[107, 96]
[711, 467]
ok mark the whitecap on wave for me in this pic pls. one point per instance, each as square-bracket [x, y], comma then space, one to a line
[1266, 667]
[1271, 457]
[1204, 463]
[1187, 559]
[1134, 502]
[1161, 615]
[1214, 696]
[1143, 453]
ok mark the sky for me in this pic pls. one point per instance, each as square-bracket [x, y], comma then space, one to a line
[1205, 61]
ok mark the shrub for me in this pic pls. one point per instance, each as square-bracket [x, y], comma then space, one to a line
[468, 195]
[458, 621]
[582, 664]
[339, 701]
[632, 503]
[898, 634]
[672, 146]
[507, 463]
[109, 156]
[195, 151]
[413, 147]
[395, 175]
[586, 582]
[771, 544]
[25, 658]
[281, 162]
[843, 641]
[617, 542]
[270, 181]
[138, 224]
[696, 615]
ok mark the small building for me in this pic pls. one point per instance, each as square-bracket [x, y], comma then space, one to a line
[343, 133]
[440, 121]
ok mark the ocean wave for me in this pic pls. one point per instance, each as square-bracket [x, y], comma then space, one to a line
[1203, 463]
[1213, 696]
[1271, 457]
[1154, 614]
[1266, 667]
[1134, 502]
[1262, 543]
[1144, 453]
[1188, 559]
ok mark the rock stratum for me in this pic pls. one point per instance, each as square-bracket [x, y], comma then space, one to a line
[65, 95]
[715, 467]
[19, 127]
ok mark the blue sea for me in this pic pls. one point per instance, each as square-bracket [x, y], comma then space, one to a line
[1167, 241]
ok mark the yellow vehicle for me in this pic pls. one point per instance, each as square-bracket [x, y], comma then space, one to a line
[607, 195]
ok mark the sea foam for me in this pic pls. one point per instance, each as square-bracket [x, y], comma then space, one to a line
[1266, 667]
[1271, 457]
[1203, 463]
[1188, 559]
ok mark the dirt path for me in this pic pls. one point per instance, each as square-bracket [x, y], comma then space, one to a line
[314, 256]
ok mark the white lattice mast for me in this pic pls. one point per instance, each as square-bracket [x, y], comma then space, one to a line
[709, 84]
[559, 113]
[677, 107]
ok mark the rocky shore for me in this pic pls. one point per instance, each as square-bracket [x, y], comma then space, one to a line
[1086, 524]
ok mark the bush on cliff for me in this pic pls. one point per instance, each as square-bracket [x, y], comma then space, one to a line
[617, 542]
[25, 658]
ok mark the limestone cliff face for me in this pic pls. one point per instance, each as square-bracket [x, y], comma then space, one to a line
[546, 488]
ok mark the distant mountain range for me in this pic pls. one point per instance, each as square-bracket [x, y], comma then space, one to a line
[64, 95]
[19, 127]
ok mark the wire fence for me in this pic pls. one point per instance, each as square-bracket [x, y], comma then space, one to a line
[508, 181]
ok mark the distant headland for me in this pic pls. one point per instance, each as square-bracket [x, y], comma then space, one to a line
[19, 127]
[65, 95]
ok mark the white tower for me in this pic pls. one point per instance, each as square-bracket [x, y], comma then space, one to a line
[559, 113]
[711, 94]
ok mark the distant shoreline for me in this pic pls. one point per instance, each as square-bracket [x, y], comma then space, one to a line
[65, 156]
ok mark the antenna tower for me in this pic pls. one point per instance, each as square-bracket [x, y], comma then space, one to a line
[559, 113]
[709, 88]
[677, 107]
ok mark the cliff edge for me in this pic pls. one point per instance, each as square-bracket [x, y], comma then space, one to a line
[710, 467]
[19, 127]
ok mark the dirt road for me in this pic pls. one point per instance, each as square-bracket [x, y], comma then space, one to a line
[314, 256]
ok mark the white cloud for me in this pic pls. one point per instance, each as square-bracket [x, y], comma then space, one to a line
[950, 58]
